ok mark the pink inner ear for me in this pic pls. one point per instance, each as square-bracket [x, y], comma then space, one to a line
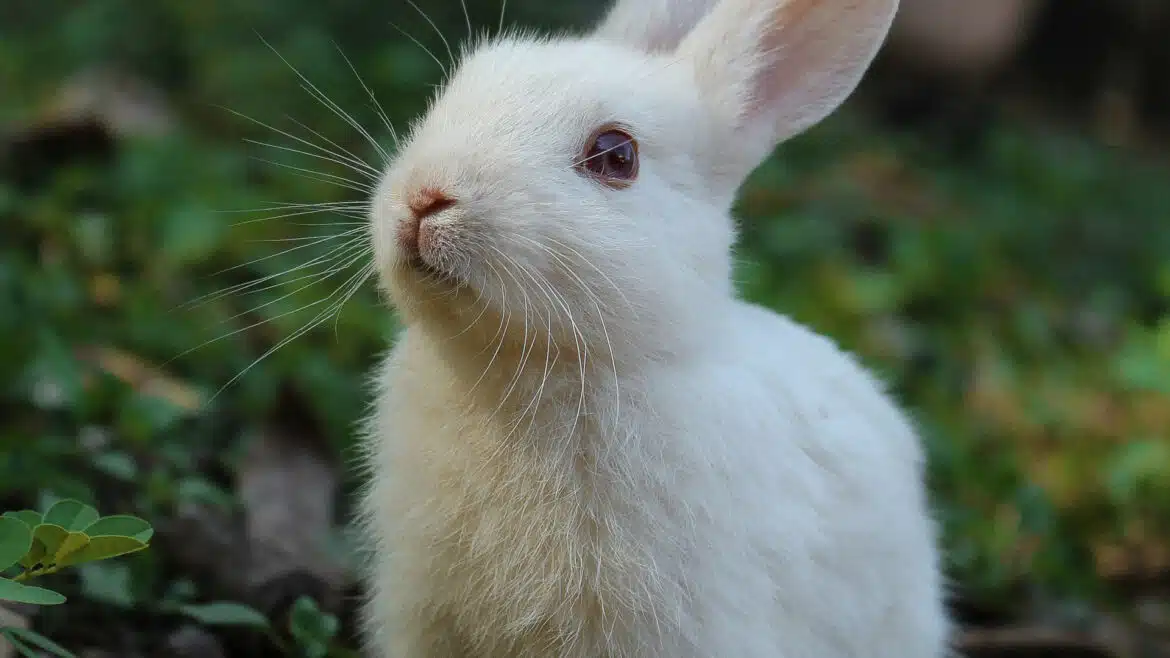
[812, 55]
[790, 58]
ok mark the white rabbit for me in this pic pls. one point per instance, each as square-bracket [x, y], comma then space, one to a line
[584, 444]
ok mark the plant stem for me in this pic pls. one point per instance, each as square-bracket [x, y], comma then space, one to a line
[34, 573]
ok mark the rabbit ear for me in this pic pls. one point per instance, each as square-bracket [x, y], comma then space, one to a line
[652, 25]
[774, 68]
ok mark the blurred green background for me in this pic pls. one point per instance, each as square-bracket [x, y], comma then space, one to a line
[1007, 270]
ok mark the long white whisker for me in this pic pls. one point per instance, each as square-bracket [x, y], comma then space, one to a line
[241, 287]
[347, 152]
[353, 258]
[601, 320]
[450, 54]
[487, 302]
[582, 346]
[316, 93]
[355, 159]
[501, 332]
[349, 155]
[335, 224]
[276, 255]
[466, 17]
[549, 360]
[525, 352]
[250, 287]
[324, 180]
[597, 269]
[300, 213]
[321, 317]
[599, 154]
[329, 104]
[298, 206]
[331, 236]
[377, 105]
[425, 49]
[340, 181]
[369, 271]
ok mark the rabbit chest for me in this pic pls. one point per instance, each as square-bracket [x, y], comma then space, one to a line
[524, 548]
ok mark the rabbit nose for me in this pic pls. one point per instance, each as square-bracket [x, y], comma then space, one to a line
[415, 234]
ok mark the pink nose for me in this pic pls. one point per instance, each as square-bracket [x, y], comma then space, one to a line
[414, 234]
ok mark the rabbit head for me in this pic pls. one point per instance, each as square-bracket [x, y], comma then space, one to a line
[575, 190]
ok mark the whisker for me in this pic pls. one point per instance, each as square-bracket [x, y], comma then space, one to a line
[296, 138]
[602, 274]
[363, 223]
[299, 213]
[333, 236]
[579, 340]
[534, 403]
[600, 315]
[333, 254]
[369, 271]
[322, 98]
[597, 155]
[270, 256]
[466, 17]
[316, 277]
[371, 174]
[501, 331]
[525, 351]
[321, 177]
[294, 206]
[377, 105]
[450, 55]
[420, 45]
[353, 258]
[487, 302]
[345, 116]
[316, 133]
[321, 317]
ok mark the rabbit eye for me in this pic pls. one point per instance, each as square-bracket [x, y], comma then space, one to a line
[612, 157]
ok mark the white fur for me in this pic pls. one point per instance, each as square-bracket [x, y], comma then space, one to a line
[584, 444]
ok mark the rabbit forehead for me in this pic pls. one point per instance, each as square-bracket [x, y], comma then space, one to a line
[550, 92]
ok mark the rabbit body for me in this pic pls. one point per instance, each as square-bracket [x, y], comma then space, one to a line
[584, 445]
[760, 498]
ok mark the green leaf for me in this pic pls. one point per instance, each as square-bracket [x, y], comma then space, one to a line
[47, 538]
[121, 525]
[10, 590]
[72, 515]
[226, 613]
[73, 543]
[52, 544]
[100, 548]
[21, 648]
[30, 518]
[312, 628]
[17, 636]
[15, 541]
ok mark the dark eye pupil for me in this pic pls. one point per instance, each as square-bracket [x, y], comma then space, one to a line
[613, 157]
